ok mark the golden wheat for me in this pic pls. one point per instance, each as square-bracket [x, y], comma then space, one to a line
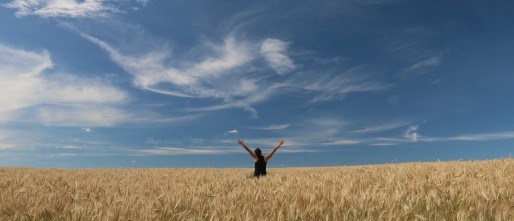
[480, 190]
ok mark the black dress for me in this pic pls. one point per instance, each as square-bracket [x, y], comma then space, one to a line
[260, 167]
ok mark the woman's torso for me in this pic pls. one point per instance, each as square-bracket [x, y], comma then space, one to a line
[260, 167]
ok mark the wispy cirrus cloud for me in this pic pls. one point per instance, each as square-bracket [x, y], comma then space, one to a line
[232, 132]
[335, 85]
[235, 104]
[473, 137]
[230, 72]
[271, 127]
[7, 146]
[69, 8]
[312, 131]
[412, 133]
[322, 132]
[184, 151]
[425, 65]
[413, 48]
[53, 98]
[342, 142]
[205, 79]
[79, 115]
[13, 139]
[4, 140]
[215, 76]
[381, 128]
[275, 53]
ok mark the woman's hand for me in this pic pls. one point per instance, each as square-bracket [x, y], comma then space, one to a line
[281, 142]
[240, 142]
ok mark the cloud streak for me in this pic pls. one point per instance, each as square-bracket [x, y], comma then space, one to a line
[53, 98]
[205, 79]
[275, 53]
[68, 8]
[4, 140]
[232, 132]
[183, 151]
[425, 65]
[230, 72]
[474, 137]
[271, 127]
[342, 142]
[380, 128]
[412, 133]
[335, 85]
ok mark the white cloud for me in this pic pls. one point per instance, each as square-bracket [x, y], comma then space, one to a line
[182, 151]
[412, 133]
[4, 140]
[233, 132]
[236, 104]
[71, 147]
[409, 46]
[485, 136]
[335, 85]
[153, 141]
[307, 133]
[381, 128]
[383, 144]
[87, 129]
[68, 8]
[151, 70]
[52, 98]
[342, 142]
[274, 51]
[312, 131]
[473, 137]
[7, 146]
[226, 72]
[296, 150]
[271, 127]
[425, 65]
[12, 139]
[60, 8]
[230, 55]
[62, 155]
[213, 77]
[81, 115]
[414, 136]
[143, 2]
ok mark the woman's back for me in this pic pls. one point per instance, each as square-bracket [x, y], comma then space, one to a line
[260, 167]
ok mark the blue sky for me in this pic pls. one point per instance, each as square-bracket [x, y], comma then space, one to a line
[150, 83]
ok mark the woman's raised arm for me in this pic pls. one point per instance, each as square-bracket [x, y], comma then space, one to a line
[267, 157]
[248, 149]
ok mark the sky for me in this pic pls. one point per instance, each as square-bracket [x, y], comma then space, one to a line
[162, 83]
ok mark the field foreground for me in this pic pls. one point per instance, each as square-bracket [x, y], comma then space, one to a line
[479, 190]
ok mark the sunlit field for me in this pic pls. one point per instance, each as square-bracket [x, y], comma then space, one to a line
[480, 190]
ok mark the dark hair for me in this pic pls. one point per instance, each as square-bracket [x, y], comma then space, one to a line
[258, 152]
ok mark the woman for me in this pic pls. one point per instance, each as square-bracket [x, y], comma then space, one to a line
[260, 161]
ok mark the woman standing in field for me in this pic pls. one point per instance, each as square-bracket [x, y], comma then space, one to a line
[260, 161]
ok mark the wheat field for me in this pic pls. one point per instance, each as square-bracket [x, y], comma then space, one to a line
[478, 190]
